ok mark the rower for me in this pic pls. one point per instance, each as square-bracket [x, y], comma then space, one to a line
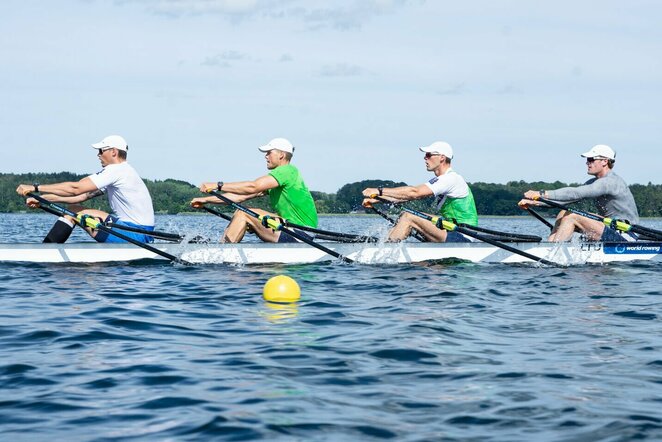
[609, 191]
[128, 196]
[289, 197]
[454, 200]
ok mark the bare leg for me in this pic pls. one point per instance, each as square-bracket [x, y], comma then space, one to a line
[242, 221]
[568, 223]
[407, 222]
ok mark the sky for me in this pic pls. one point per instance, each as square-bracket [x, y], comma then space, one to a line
[518, 88]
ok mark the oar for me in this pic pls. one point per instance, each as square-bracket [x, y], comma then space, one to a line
[88, 221]
[272, 223]
[508, 235]
[617, 224]
[391, 221]
[217, 213]
[449, 226]
[153, 233]
[539, 217]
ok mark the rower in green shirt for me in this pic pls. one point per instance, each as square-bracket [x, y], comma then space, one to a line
[288, 195]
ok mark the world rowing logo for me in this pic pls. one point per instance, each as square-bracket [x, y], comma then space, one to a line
[633, 248]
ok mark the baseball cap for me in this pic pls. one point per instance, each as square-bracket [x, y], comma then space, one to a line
[278, 143]
[115, 141]
[439, 147]
[600, 150]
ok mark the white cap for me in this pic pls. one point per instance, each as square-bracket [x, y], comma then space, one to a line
[600, 150]
[439, 147]
[278, 143]
[115, 141]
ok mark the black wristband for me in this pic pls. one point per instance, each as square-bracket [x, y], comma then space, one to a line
[36, 187]
[542, 193]
[380, 189]
[219, 185]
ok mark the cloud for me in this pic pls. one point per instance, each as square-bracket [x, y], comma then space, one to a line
[509, 89]
[225, 59]
[179, 8]
[457, 89]
[314, 14]
[341, 70]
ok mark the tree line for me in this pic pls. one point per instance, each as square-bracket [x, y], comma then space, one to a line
[173, 196]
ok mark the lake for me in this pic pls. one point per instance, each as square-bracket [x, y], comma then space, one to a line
[456, 351]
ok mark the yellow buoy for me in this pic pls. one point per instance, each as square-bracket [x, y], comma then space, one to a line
[281, 288]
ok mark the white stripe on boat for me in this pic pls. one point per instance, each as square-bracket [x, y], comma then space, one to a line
[261, 253]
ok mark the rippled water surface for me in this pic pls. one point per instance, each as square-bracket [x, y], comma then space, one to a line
[458, 351]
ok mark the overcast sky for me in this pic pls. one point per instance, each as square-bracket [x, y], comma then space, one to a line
[519, 88]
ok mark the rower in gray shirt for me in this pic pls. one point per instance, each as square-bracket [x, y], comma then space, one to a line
[611, 194]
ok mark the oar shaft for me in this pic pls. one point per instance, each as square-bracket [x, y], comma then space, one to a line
[510, 235]
[588, 215]
[539, 217]
[153, 233]
[217, 213]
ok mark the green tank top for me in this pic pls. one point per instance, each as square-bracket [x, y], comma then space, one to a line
[292, 199]
[463, 210]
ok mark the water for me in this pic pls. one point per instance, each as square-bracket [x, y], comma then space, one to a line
[481, 352]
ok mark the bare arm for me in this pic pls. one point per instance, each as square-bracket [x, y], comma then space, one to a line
[64, 189]
[250, 189]
[400, 194]
[73, 199]
[199, 202]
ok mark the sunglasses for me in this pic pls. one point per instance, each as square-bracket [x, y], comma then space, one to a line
[591, 159]
[101, 151]
[430, 155]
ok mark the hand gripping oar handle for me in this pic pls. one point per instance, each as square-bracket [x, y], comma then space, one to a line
[272, 223]
[617, 224]
[96, 224]
[447, 225]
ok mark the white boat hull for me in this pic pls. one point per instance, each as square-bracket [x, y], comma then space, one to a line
[260, 253]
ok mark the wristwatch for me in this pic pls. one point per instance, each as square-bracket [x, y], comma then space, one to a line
[219, 185]
[36, 187]
[380, 189]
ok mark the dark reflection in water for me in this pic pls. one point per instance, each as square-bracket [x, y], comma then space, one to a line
[444, 351]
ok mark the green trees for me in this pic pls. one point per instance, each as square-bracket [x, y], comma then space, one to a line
[173, 196]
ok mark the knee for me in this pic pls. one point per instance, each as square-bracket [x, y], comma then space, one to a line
[406, 217]
[239, 216]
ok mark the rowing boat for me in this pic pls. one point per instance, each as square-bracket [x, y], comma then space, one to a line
[297, 253]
